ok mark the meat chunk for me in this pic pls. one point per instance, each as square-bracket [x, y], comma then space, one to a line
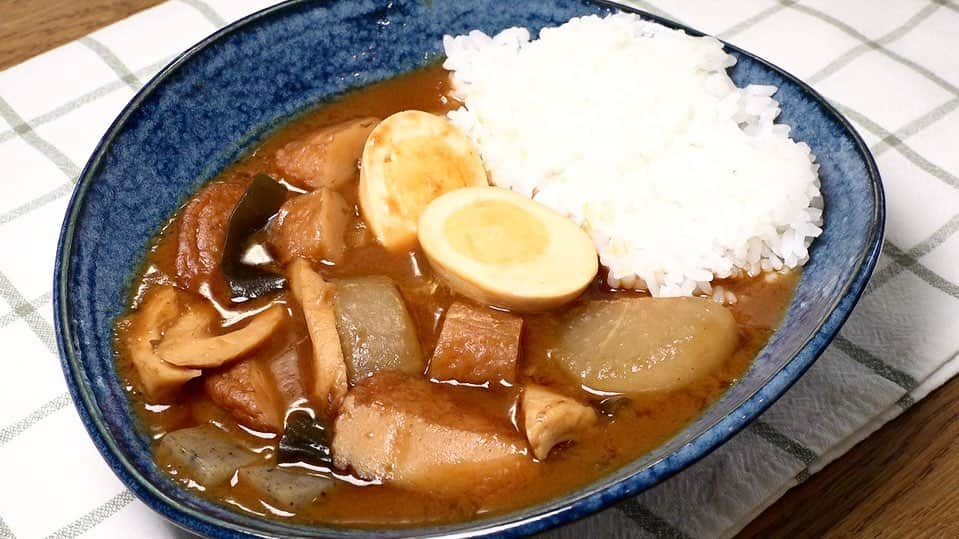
[329, 368]
[417, 435]
[201, 233]
[311, 226]
[246, 390]
[477, 346]
[328, 157]
[158, 379]
[551, 418]
[376, 331]
[190, 342]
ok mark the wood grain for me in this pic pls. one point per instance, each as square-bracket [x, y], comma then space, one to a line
[29, 27]
[903, 481]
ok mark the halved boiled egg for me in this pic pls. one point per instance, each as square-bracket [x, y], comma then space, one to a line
[409, 159]
[500, 248]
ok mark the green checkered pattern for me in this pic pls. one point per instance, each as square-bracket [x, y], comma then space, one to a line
[890, 66]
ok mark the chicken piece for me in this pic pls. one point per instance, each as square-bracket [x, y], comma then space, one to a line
[477, 346]
[551, 418]
[246, 390]
[201, 233]
[190, 341]
[328, 157]
[417, 435]
[158, 379]
[311, 226]
[329, 368]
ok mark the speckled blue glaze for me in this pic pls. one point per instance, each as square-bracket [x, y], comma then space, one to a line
[225, 94]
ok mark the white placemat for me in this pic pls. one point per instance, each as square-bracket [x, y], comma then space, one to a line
[890, 66]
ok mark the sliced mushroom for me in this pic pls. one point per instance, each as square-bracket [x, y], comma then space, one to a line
[158, 379]
[551, 418]
[190, 342]
[316, 297]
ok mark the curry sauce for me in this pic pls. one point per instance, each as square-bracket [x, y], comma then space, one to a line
[627, 428]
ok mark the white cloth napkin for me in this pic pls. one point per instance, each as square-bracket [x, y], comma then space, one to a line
[889, 65]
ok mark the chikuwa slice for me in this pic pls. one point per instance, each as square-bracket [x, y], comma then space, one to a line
[409, 159]
[502, 249]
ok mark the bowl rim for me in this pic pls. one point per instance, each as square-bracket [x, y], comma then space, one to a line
[590, 498]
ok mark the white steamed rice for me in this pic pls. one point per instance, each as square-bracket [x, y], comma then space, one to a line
[636, 132]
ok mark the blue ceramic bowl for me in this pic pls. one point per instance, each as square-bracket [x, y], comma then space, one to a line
[224, 95]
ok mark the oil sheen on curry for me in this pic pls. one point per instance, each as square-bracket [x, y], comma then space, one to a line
[352, 327]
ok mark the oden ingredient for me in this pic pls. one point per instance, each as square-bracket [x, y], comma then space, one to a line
[551, 418]
[246, 390]
[500, 248]
[202, 232]
[158, 379]
[206, 453]
[310, 226]
[639, 345]
[316, 299]
[328, 158]
[290, 489]
[246, 278]
[375, 329]
[414, 434]
[190, 341]
[411, 158]
[477, 345]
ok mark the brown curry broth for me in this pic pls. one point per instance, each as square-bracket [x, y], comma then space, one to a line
[636, 427]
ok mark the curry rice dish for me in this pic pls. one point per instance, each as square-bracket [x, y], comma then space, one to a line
[350, 326]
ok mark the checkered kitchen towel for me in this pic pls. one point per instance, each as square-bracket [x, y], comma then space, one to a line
[890, 66]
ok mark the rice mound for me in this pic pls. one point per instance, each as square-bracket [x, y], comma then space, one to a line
[636, 132]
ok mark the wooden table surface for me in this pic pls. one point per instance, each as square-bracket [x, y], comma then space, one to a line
[903, 481]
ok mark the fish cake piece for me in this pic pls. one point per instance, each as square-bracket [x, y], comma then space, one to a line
[328, 157]
[310, 226]
[246, 390]
[201, 233]
[477, 346]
